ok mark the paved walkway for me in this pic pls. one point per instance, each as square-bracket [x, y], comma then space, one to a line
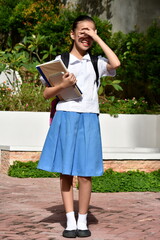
[31, 209]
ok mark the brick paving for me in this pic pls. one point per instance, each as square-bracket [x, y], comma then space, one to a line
[31, 209]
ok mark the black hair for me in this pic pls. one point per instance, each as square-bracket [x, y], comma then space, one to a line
[81, 18]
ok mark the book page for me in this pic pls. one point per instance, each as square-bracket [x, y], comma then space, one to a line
[52, 67]
[55, 79]
[52, 73]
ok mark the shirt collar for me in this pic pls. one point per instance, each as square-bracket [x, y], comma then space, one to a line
[74, 59]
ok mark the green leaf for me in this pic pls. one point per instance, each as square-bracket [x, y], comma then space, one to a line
[116, 81]
[117, 87]
[134, 40]
[2, 67]
[45, 56]
[112, 98]
[101, 89]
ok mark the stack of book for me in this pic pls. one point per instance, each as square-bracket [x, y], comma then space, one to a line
[52, 72]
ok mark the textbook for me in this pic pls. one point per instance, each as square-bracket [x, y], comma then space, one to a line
[52, 73]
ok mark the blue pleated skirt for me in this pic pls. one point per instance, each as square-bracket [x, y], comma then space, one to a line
[73, 145]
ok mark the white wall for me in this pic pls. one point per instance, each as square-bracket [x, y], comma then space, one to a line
[23, 130]
[158, 130]
[125, 15]
[130, 131]
[27, 130]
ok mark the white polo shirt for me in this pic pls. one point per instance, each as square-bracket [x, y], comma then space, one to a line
[86, 80]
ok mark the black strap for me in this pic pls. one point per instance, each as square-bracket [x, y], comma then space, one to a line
[65, 58]
[94, 60]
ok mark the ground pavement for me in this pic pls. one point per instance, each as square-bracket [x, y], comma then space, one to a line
[31, 209]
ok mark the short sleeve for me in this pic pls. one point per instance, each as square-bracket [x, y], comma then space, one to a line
[102, 68]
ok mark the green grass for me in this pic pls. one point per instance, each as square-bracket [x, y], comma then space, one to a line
[111, 181]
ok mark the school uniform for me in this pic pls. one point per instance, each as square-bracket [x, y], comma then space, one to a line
[73, 143]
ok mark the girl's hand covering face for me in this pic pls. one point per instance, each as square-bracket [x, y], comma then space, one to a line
[87, 32]
[83, 36]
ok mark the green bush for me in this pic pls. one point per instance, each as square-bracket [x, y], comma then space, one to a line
[6, 10]
[29, 170]
[131, 181]
[30, 98]
[139, 55]
[114, 106]
[26, 15]
[34, 32]
[111, 181]
[46, 18]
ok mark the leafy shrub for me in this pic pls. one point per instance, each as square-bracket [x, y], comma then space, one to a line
[111, 181]
[46, 18]
[28, 169]
[6, 9]
[139, 55]
[35, 32]
[30, 98]
[114, 106]
[131, 181]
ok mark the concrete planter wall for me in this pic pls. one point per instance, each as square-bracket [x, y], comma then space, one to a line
[128, 136]
[23, 130]
[26, 131]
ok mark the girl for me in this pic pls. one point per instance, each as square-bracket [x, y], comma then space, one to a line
[73, 144]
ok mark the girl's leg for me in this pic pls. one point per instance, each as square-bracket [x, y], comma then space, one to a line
[85, 187]
[66, 182]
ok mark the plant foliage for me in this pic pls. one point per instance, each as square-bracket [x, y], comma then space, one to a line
[139, 55]
[131, 181]
[27, 170]
[115, 106]
[111, 181]
[34, 32]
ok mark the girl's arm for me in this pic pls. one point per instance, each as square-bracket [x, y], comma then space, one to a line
[113, 61]
[68, 80]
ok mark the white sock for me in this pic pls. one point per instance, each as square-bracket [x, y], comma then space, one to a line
[82, 221]
[71, 221]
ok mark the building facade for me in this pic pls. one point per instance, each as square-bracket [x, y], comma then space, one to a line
[125, 15]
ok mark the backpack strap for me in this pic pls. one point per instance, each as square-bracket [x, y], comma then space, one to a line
[65, 58]
[94, 60]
